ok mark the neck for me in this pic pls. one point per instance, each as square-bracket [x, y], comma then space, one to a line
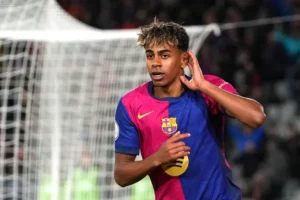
[173, 90]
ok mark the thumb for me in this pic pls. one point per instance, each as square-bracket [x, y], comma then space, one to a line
[184, 80]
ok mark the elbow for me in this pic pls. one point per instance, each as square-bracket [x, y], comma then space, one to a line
[259, 118]
[119, 180]
[120, 183]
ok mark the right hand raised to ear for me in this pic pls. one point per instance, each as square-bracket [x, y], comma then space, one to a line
[172, 149]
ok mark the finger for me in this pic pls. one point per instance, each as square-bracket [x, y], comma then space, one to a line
[175, 162]
[184, 80]
[177, 144]
[182, 154]
[191, 67]
[190, 58]
[193, 60]
[170, 164]
[194, 68]
[176, 134]
[180, 136]
[176, 150]
[176, 138]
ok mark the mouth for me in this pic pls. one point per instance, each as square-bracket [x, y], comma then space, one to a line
[157, 76]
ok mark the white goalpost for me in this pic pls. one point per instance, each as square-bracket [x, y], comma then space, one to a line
[60, 81]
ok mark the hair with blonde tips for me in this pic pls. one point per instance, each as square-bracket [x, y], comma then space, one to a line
[159, 33]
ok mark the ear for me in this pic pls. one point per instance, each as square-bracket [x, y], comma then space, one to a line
[184, 59]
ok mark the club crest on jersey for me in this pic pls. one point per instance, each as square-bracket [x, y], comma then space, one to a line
[169, 125]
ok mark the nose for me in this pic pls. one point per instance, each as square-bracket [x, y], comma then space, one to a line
[156, 62]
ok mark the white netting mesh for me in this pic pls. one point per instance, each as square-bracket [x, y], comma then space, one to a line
[58, 94]
[18, 14]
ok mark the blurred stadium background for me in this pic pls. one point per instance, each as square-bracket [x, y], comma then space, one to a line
[60, 80]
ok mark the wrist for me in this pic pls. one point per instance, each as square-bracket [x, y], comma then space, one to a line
[203, 87]
[154, 160]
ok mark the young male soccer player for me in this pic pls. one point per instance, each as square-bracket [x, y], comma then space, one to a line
[177, 123]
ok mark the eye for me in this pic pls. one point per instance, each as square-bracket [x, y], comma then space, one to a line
[149, 56]
[165, 56]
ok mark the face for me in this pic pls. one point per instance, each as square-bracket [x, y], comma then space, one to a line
[165, 64]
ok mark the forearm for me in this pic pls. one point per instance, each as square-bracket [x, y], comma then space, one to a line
[246, 110]
[127, 173]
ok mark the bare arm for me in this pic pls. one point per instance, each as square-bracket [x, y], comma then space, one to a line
[244, 109]
[128, 171]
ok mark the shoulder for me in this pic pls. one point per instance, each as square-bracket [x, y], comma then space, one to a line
[214, 80]
[220, 83]
[130, 102]
[134, 95]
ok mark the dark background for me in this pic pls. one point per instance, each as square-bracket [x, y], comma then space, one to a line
[262, 62]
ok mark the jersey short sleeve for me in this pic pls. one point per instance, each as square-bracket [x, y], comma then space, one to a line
[215, 107]
[126, 135]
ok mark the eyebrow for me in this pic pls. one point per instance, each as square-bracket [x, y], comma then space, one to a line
[159, 52]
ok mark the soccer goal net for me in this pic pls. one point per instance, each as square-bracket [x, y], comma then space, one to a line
[60, 84]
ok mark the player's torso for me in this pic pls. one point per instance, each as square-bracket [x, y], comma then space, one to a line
[159, 120]
[203, 169]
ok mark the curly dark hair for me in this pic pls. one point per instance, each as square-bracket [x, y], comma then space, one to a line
[158, 33]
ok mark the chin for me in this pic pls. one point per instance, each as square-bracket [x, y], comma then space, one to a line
[159, 84]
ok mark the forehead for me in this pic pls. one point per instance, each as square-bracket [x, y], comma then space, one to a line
[159, 47]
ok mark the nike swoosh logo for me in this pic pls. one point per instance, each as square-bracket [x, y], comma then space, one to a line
[144, 115]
